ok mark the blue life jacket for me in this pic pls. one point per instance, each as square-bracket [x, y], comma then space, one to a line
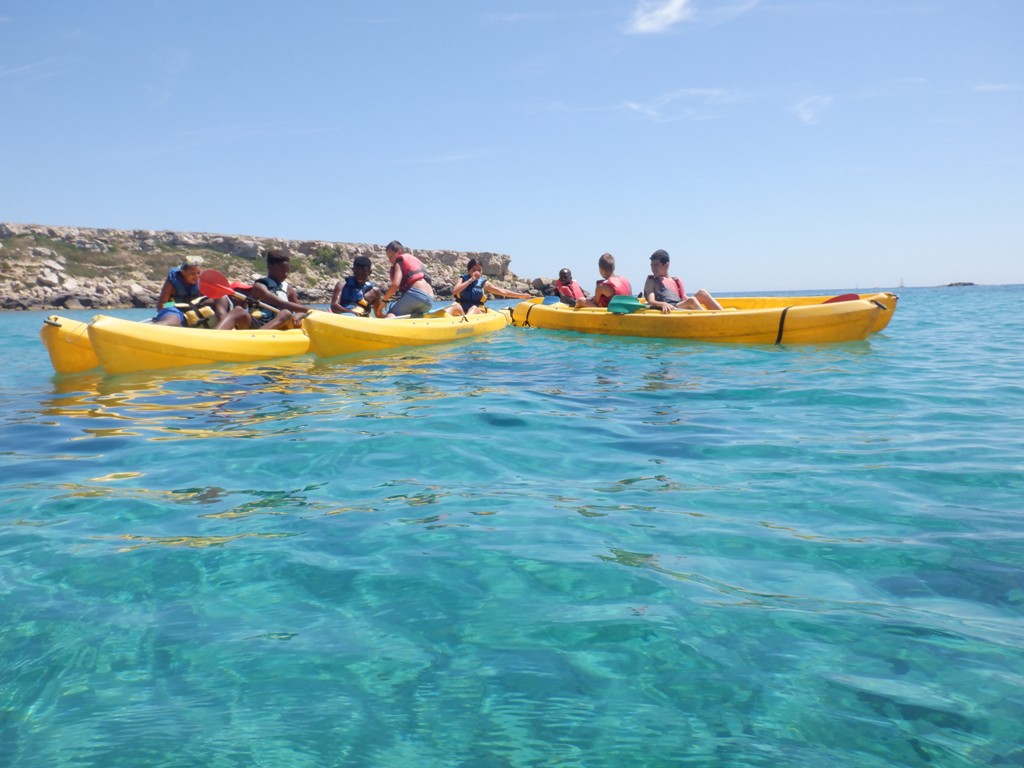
[183, 293]
[352, 293]
[473, 295]
[261, 313]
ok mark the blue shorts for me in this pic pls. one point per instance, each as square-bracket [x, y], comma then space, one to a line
[165, 311]
[413, 302]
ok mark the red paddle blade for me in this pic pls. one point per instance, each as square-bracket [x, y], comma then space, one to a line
[213, 284]
[833, 300]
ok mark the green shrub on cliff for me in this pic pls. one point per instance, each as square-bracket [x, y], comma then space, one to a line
[331, 259]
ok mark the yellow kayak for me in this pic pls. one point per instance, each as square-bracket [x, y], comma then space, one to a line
[67, 342]
[888, 300]
[786, 323]
[124, 346]
[331, 334]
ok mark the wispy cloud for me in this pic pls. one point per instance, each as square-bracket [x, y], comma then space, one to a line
[653, 16]
[810, 109]
[690, 104]
[995, 87]
[38, 69]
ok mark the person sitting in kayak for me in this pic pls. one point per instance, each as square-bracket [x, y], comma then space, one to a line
[249, 315]
[356, 294]
[472, 289]
[409, 276]
[667, 293]
[569, 291]
[609, 285]
[274, 289]
[181, 303]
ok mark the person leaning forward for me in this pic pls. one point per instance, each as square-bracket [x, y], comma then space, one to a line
[409, 276]
[274, 290]
[667, 293]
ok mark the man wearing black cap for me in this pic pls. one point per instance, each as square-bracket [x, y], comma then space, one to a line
[667, 293]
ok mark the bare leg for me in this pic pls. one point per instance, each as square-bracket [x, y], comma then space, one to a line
[222, 308]
[236, 318]
[690, 302]
[282, 321]
[707, 299]
[169, 319]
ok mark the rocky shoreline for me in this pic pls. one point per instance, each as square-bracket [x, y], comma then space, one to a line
[50, 267]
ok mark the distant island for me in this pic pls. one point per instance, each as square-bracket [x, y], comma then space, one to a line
[44, 267]
[955, 285]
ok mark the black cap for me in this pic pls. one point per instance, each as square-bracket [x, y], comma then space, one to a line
[660, 255]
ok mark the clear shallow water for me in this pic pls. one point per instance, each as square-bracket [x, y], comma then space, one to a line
[535, 549]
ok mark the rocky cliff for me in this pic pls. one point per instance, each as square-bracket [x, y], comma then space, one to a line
[44, 267]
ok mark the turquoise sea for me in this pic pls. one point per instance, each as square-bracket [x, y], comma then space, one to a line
[534, 549]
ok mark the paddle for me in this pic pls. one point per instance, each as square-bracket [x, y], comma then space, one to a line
[625, 305]
[842, 297]
[213, 284]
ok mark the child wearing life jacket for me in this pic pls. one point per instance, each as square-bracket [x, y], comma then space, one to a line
[181, 303]
[667, 293]
[609, 285]
[569, 291]
[472, 289]
[356, 294]
[275, 291]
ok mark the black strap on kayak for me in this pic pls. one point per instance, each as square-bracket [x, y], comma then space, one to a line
[782, 324]
[526, 320]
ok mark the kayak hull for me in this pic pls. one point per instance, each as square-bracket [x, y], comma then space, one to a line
[886, 299]
[331, 335]
[812, 323]
[67, 342]
[124, 346]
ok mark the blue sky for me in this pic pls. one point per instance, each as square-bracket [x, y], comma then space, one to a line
[766, 144]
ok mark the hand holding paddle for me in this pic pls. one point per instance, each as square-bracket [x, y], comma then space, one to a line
[213, 284]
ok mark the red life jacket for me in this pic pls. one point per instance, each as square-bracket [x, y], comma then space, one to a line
[572, 291]
[412, 270]
[676, 285]
[619, 284]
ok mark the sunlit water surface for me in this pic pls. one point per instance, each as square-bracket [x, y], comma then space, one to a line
[533, 549]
